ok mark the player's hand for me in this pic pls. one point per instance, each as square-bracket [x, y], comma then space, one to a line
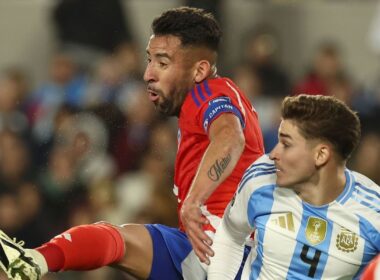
[193, 220]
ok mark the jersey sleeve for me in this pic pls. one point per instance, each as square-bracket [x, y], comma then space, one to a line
[211, 100]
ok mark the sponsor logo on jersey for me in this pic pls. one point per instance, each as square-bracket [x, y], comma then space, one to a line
[219, 99]
[316, 229]
[346, 240]
[284, 221]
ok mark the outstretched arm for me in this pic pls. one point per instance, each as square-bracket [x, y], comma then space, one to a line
[227, 143]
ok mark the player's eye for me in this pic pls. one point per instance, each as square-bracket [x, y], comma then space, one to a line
[163, 64]
[285, 144]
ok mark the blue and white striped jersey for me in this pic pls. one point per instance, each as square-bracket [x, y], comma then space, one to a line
[296, 240]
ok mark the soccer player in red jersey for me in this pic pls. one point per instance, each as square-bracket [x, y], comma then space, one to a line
[218, 137]
[372, 271]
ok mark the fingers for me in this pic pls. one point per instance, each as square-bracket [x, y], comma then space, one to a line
[193, 220]
[194, 226]
[202, 250]
[200, 242]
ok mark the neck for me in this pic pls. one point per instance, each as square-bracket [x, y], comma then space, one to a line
[327, 184]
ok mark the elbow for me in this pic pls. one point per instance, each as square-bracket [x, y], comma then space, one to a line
[241, 142]
[236, 142]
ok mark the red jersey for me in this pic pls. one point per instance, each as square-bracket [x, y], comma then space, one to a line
[203, 104]
[372, 271]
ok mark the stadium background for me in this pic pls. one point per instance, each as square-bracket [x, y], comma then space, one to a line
[80, 142]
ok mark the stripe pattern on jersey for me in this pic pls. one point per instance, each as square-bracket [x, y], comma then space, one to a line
[256, 170]
[254, 206]
[199, 94]
[319, 242]
[308, 256]
[367, 197]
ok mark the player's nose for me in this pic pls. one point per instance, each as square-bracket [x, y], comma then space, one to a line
[273, 155]
[149, 75]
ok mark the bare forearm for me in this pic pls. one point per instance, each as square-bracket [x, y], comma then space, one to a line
[227, 143]
[217, 164]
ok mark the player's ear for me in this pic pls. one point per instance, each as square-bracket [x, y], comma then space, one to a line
[322, 155]
[202, 70]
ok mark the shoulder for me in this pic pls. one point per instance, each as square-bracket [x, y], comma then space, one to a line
[205, 92]
[364, 182]
[221, 86]
[365, 202]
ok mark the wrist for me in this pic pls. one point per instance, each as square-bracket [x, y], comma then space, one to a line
[193, 200]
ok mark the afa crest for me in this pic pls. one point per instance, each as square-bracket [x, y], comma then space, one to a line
[316, 229]
[346, 240]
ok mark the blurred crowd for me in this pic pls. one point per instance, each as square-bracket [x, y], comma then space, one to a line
[86, 144]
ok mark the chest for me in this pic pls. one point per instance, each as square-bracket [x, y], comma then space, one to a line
[293, 240]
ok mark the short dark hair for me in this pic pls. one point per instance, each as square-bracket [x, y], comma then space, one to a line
[192, 25]
[324, 117]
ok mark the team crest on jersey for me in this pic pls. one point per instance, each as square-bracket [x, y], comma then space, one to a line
[346, 240]
[316, 229]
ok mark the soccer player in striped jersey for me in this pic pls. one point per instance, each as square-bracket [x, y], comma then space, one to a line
[218, 138]
[312, 217]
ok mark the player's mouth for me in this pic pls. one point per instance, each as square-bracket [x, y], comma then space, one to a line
[153, 95]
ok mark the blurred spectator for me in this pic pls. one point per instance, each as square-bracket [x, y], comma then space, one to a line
[78, 163]
[248, 81]
[65, 85]
[13, 91]
[326, 68]
[212, 6]
[363, 101]
[107, 82]
[367, 157]
[342, 88]
[89, 28]
[9, 213]
[62, 192]
[15, 161]
[144, 196]
[260, 50]
[21, 210]
[86, 138]
[163, 141]
[116, 77]
[127, 54]
[266, 106]
[132, 139]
